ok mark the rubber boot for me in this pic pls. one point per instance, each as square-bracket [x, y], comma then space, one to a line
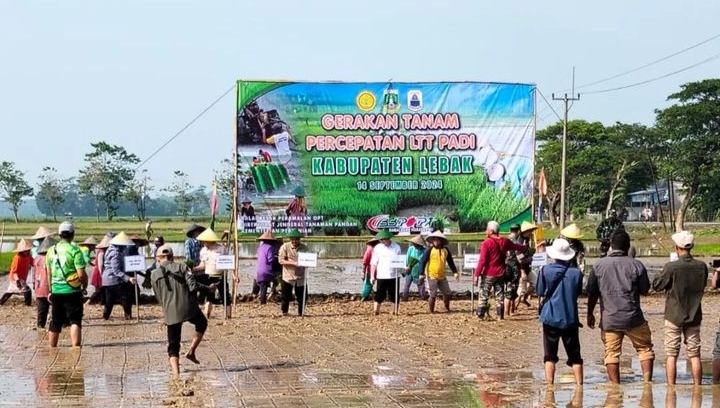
[431, 304]
[446, 301]
[500, 311]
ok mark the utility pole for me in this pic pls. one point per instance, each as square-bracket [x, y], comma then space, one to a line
[566, 100]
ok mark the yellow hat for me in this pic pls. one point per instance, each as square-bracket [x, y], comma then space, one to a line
[572, 231]
[208, 236]
[527, 226]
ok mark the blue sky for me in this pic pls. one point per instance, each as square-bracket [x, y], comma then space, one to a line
[135, 72]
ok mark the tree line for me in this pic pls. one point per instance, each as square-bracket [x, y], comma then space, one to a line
[604, 164]
[109, 185]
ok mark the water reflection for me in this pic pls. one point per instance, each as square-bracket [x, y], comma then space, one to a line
[60, 384]
[576, 401]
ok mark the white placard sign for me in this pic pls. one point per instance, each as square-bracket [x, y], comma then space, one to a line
[471, 261]
[539, 259]
[674, 256]
[398, 261]
[134, 263]
[225, 262]
[307, 259]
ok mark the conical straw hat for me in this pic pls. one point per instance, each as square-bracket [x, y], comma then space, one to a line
[572, 231]
[23, 245]
[90, 241]
[104, 243]
[42, 233]
[121, 239]
[267, 236]
[417, 240]
[208, 236]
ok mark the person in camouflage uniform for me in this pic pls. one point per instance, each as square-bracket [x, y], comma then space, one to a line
[606, 229]
[524, 260]
[512, 264]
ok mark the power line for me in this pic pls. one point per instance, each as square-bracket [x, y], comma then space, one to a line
[548, 104]
[630, 71]
[705, 61]
[184, 128]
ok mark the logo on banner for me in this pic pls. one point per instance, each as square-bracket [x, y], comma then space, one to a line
[415, 100]
[366, 101]
[391, 100]
[400, 224]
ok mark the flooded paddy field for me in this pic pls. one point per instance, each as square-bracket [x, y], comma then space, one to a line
[337, 356]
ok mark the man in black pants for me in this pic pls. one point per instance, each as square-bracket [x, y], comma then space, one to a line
[293, 276]
[174, 286]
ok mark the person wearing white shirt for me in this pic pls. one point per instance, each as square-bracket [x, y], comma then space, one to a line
[382, 272]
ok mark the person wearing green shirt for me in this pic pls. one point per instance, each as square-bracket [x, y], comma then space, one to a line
[66, 264]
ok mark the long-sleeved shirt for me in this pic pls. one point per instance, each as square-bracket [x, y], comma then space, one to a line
[192, 251]
[382, 258]
[41, 277]
[493, 252]
[434, 260]
[619, 280]
[20, 268]
[366, 258]
[265, 256]
[560, 307]
[173, 285]
[113, 272]
[684, 284]
[412, 259]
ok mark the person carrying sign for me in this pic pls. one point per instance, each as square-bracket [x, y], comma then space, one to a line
[67, 281]
[293, 275]
[382, 272]
[559, 285]
[433, 265]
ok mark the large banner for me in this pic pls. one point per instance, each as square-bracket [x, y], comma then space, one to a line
[337, 158]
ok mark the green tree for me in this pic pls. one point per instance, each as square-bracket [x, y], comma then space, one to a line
[106, 175]
[52, 190]
[13, 187]
[692, 130]
[181, 190]
[137, 193]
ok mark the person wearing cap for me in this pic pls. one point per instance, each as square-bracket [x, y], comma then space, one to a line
[267, 258]
[157, 243]
[96, 280]
[559, 285]
[433, 265]
[413, 268]
[118, 286]
[524, 264]
[41, 280]
[683, 282]
[20, 267]
[67, 282]
[490, 269]
[192, 245]
[293, 275]
[174, 287]
[209, 254]
[382, 272]
[617, 281]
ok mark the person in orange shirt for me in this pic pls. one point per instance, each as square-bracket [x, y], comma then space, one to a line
[19, 270]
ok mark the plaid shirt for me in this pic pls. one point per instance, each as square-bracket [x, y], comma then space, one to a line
[192, 250]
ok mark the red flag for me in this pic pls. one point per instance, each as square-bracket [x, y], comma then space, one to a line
[542, 183]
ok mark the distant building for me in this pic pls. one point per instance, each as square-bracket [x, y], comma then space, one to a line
[645, 204]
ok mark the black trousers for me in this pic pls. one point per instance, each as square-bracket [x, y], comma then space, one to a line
[174, 332]
[287, 290]
[121, 293]
[570, 339]
[43, 308]
[27, 297]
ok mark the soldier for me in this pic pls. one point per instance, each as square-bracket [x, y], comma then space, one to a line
[606, 229]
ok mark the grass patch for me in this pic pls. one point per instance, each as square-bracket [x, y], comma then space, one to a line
[5, 260]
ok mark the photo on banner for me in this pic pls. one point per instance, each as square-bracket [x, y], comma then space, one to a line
[340, 158]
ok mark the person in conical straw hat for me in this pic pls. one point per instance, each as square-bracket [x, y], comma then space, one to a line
[513, 299]
[118, 286]
[96, 276]
[573, 235]
[41, 233]
[413, 269]
[88, 247]
[41, 278]
[383, 273]
[433, 266]
[367, 255]
[267, 258]
[19, 270]
[293, 275]
[209, 254]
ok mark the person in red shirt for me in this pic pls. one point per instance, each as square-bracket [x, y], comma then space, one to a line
[490, 270]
